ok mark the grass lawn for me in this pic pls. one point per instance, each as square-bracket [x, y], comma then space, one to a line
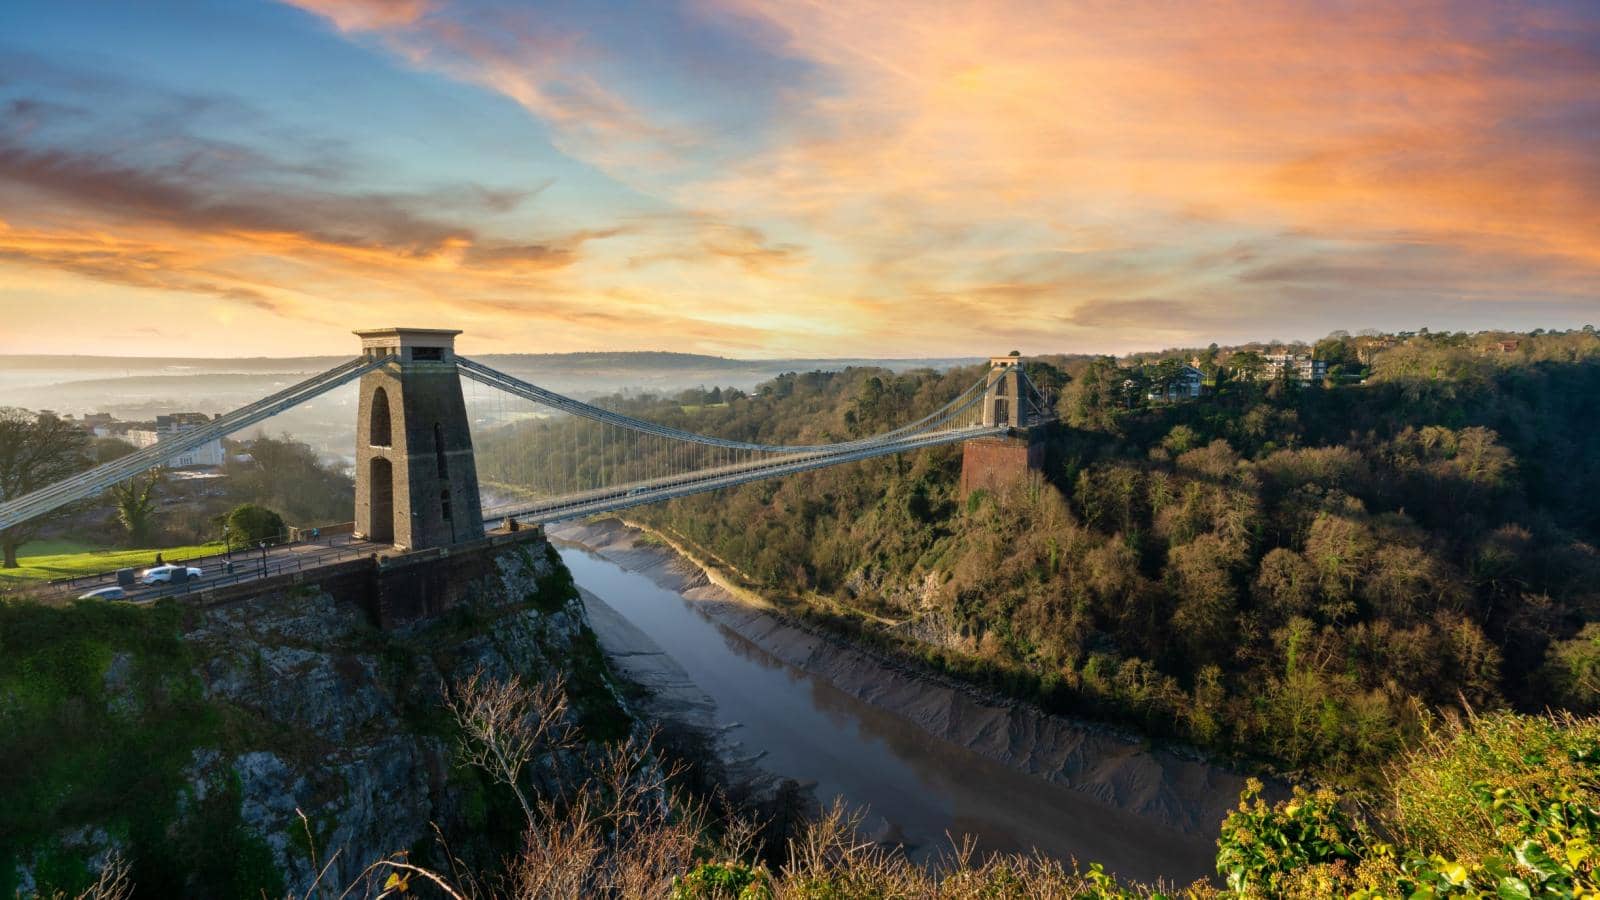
[44, 560]
[696, 407]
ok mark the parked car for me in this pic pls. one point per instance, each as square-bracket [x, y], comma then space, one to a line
[105, 593]
[164, 574]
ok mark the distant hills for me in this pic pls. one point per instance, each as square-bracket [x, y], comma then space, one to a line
[660, 360]
[144, 386]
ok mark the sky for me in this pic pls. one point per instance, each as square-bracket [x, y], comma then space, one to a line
[810, 178]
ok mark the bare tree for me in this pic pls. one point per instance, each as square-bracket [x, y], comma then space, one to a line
[614, 834]
[35, 451]
[505, 723]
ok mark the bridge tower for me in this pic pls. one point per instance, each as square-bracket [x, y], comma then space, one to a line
[993, 463]
[416, 479]
[1006, 402]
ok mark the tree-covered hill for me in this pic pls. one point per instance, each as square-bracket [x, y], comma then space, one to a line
[1302, 573]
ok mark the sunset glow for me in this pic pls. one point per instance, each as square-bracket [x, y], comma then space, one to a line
[810, 178]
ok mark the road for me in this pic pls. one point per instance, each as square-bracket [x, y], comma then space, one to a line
[247, 565]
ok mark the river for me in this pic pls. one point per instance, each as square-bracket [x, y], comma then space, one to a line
[919, 790]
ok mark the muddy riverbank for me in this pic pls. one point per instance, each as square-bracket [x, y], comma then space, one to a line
[928, 756]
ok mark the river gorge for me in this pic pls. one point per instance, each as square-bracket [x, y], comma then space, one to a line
[928, 761]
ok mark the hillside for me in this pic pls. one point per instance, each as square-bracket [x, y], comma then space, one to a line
[1307, 576]
[183, 738]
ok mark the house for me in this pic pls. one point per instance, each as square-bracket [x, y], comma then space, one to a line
[1186, 386]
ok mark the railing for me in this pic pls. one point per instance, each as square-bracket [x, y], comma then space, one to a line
[252, 570]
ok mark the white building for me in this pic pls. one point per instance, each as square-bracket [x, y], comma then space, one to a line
[1294, 367]
[208, 454]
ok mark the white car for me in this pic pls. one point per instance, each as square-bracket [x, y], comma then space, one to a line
[106, 593]
[163, 574]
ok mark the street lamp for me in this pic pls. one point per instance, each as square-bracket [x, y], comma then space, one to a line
[263, 559]
[227, 542]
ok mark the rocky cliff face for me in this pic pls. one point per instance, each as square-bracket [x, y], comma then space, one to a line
[315, 710]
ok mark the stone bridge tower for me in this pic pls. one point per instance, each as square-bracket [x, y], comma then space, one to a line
[993, 463]
[1006, 402]
[416, 480]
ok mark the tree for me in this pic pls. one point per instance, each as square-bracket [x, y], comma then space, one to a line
[136, 507]
[1181, 439]
[251, 524]
[106, 449]
[1248, 364]
[1093, 399]
[1164, 376]
[1337, 350]
[1201, 575]
[287, 476]
[1573, 669]
[1046, 378]
[35, 451]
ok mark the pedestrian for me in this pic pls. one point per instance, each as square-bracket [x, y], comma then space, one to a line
[159, 560]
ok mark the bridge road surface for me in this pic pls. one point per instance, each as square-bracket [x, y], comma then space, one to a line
[248, 565]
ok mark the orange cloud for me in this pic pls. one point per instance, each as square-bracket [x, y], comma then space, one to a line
[367, 15]
[1464, 123]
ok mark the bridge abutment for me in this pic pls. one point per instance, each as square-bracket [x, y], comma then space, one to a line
[995, 463]
[416, 478]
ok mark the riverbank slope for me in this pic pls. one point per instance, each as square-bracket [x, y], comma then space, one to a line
[1180, 798]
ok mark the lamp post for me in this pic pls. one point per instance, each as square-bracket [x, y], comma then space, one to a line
[263, 559]
[227, 542]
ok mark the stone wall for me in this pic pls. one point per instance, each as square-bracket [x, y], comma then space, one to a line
[994, 463]
[393, 590]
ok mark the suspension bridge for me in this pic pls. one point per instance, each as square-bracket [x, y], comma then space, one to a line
[445, 443]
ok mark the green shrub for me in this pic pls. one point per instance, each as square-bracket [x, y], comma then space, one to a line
[77, 746]
[1264, 850]
[252, 524]
[723, 881]
[1505, 806]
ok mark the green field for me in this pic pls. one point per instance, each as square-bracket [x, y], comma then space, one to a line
[44, 560]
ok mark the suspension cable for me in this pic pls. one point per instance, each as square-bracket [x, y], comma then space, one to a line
[479, 372]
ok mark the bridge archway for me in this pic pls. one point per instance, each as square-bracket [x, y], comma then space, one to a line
[380, 478]
[380, 429]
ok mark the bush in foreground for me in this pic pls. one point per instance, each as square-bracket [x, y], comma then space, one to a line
[1504, 805]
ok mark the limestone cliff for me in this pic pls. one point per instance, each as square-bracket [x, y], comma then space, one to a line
[243, 712]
